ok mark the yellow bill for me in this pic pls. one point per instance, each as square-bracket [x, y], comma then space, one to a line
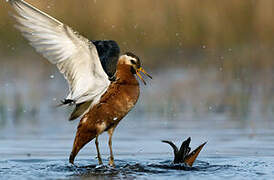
[143, 71]
[139, 75]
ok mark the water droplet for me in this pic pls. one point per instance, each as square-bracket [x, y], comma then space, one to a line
[140, 150]
[52, 76]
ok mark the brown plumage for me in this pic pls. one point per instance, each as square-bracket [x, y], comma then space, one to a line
[101, 98]
[118, 100]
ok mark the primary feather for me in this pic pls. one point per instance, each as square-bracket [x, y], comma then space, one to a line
[75, 56]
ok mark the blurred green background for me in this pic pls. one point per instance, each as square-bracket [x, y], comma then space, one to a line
[206, 57]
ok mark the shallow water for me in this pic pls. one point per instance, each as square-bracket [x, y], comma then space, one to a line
[232, 152]
[36, 139]
[212, 168]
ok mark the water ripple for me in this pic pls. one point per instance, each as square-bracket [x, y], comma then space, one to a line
[128, 169]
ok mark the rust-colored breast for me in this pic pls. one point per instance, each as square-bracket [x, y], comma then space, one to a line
[118, 100]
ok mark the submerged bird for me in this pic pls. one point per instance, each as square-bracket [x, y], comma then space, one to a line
[183, 155]
[103, 86]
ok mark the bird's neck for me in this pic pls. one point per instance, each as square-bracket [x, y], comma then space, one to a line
[124, 75]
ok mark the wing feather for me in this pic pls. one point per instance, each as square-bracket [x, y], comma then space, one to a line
[75, 56]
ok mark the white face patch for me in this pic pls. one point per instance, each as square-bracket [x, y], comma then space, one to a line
[127, 59]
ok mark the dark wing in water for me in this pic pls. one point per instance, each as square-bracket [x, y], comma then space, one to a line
[108, 52]
[174, 147]
[184, 149]
[182, 155]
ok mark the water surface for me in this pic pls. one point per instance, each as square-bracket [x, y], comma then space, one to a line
[36, 138]
[230, 152]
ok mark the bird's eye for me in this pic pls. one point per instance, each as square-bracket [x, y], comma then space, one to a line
[132, 62]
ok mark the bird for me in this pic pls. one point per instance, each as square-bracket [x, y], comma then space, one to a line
[103, 85]
[183, 155]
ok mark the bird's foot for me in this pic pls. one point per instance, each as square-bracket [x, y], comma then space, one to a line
[71, 158]
[100, 162]
[111, 165]
[111, 162]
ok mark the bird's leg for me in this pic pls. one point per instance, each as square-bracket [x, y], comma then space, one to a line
[111, 159]
[98, 151]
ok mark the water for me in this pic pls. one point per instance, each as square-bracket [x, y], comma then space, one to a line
[232, 152]
[129, 169]
[36, 139]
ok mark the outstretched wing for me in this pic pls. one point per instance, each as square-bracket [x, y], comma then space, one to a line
[75, 56]
[185, 149]
[174, 147]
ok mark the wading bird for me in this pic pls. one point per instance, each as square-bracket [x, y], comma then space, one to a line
[103, 85]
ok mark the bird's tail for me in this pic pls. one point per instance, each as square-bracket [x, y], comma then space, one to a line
[65, 102]
[80, 110]
[83, 136]
[182, 155]
[190, 158]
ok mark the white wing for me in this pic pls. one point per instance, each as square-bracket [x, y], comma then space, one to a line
[74, 55]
